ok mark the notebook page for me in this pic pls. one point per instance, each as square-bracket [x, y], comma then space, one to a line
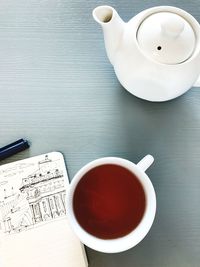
[34, 230]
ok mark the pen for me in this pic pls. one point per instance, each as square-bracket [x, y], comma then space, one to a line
[13, 148]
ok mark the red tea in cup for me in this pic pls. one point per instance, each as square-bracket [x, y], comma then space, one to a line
[109, 201]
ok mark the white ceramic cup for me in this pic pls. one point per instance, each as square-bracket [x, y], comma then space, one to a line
[135, 236]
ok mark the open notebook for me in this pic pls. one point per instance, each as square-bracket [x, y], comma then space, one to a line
[34, 231]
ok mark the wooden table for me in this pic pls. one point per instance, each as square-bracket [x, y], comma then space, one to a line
[58, 90]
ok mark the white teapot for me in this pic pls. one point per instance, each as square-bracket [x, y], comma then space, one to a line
[156, 55]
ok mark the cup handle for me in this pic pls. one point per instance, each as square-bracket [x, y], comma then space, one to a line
[145, 163]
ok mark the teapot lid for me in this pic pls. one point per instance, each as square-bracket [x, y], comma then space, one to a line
[166, 37]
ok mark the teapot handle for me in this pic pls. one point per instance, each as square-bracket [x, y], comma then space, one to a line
[197, 83]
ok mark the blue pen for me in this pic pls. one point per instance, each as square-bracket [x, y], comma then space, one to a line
[13, 148]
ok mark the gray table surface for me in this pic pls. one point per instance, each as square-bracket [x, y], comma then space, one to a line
[58, 89]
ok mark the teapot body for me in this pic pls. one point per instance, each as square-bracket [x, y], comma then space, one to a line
[143, 70]
[151, 80]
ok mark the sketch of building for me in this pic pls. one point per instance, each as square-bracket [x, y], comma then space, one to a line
[40, 198]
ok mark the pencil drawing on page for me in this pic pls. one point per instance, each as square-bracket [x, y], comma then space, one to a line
[32, 192]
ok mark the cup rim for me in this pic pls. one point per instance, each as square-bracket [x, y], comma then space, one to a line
[136, 235]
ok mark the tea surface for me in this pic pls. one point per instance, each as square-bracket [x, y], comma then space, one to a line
[109, 201]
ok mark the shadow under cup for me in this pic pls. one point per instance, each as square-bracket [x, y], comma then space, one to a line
[109, 204]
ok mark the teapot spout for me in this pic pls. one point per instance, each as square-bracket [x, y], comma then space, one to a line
[112, 26]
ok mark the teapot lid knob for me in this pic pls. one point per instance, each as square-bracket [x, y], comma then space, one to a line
[166, 37]
[172, 26]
